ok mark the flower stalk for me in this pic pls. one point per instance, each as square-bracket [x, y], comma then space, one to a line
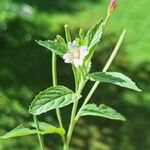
[54, 77]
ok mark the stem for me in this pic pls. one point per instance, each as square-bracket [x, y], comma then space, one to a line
[111, 58]
[72, 122]
[73, 114]
[38, 134]
[54, 76]
[65, 146]
[54, 69]
[75, 78]
[106, 20]
[67, 33]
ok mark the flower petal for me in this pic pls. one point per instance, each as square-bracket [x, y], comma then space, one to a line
[78, 62]
[83, 51]
[68, 57]
[73, 46]
[70, 46]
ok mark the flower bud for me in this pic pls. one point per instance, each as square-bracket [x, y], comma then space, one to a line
[60, 39]
[111, 6]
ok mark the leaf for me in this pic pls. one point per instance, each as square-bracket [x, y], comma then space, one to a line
[94, 35]
[42, 125]
[58, 48]
[22, 130]
[101, 111]
[19, 131]
[87, 66]
[47, 128]
[114, 78]
[52, 130]
[51, 98]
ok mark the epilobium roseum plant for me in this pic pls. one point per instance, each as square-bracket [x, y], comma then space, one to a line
[77, 53]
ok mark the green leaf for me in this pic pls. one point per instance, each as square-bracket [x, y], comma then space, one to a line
[60, 39]
[19, 131]
[22, 130]
[53, 130]
[52, 98]
[88, 66]
[81, 33]
[42, 125]
[58, 48]
[101, 111]
[114, 78]
[94, 35]
[47, 128]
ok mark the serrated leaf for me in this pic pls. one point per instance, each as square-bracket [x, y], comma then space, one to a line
[101, 111]
[22, 130]
[94, 35]
[114, 78]
[19, 131]
[58, 48]
[52, 98]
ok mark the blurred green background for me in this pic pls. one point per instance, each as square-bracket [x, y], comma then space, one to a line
[25, 69]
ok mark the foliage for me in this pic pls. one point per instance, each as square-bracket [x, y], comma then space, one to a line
[101, 111]
[114, 78]
[52, 98]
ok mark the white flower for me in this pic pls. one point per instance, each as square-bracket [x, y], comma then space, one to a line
[76, 54]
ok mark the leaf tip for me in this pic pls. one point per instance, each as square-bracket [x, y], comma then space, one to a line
[38, 41]
[139, 90]
[123, 118]
[66, 26]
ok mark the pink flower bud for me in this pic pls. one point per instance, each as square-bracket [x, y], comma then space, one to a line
[112, 6]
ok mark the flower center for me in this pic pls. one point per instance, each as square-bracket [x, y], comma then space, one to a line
[76, 54]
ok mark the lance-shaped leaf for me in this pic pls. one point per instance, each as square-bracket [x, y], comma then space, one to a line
[58, 48]
[114, 78]
[94, 35]
[101, 111]
[23, 130]
[52, 98]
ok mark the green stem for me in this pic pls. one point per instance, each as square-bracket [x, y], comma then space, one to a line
[75, 78]
[67, 33]
[54, 76]
[54, 69]
[38, 134]
[106, 20]
[73, 114]
[111, 58]
[72, 122]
